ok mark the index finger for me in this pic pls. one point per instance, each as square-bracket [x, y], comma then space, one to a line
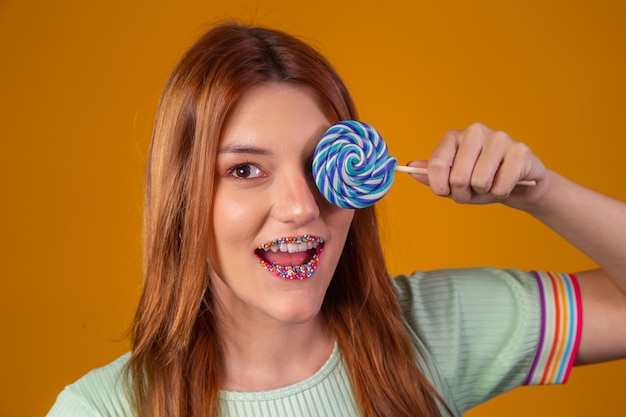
[440, 163]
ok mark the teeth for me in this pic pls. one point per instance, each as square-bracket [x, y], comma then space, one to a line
[293, 245]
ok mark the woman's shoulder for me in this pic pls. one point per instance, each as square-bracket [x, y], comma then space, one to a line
[447, 308]
[476, 327]
[454, 286]
[100, 392]
[489, 330]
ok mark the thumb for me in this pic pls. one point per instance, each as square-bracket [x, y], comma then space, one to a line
[422, 178]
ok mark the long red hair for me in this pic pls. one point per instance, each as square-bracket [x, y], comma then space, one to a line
[174, 370]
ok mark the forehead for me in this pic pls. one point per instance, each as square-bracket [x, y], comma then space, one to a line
[279, 109]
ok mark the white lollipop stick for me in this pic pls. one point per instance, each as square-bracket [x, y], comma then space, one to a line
[424, 171]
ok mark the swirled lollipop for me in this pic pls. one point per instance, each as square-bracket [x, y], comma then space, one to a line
[352, 167]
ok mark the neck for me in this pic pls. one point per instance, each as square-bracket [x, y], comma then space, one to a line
[264, 356]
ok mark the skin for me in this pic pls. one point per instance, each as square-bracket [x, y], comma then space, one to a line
[479, 166]
[265, 191]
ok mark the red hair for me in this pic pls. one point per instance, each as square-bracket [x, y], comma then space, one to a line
[176, 358]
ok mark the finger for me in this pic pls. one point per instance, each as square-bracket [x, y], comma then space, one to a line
[490, 161]
[423, 178]
[440, 162]
[471, 143]
[515, 166]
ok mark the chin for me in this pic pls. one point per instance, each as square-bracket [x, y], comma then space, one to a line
[296, 312]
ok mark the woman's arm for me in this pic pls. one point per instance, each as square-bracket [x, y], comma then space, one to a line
[479, 166]
[596, 225]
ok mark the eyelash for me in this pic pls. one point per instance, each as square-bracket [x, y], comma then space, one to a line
[232, 171]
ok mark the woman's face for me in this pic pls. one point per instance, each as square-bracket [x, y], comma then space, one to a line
[277, 239]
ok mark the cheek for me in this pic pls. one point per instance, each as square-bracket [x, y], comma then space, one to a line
[341, 220]
[229, 212]
[236, 216]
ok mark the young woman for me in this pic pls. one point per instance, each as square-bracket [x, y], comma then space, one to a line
[261, 298]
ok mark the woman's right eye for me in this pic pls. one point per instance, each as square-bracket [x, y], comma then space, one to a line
[245, 171]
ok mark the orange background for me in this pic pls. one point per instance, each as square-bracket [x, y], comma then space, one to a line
[79, 83]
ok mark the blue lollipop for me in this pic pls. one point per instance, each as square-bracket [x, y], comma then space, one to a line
[351, 166]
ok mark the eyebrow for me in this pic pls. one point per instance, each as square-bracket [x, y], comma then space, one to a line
[244, 149]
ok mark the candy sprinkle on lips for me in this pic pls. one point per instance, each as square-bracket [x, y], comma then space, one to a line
[292, 245]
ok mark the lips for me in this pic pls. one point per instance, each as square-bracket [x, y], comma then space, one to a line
[293, 258]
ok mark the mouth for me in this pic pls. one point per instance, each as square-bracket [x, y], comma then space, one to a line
[293, 258]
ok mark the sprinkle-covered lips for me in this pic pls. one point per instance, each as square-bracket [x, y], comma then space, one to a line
[291, 257]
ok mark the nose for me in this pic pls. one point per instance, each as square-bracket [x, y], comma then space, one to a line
[296, 199]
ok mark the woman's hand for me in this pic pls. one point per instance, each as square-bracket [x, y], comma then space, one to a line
[479, 165]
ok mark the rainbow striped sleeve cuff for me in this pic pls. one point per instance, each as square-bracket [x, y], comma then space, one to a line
[561, 323]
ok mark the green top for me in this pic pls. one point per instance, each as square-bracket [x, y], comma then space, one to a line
[477, 332]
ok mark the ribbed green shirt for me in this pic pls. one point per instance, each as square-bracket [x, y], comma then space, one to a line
[479, 332]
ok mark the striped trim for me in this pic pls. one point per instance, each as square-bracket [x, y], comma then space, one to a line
[561, 323]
